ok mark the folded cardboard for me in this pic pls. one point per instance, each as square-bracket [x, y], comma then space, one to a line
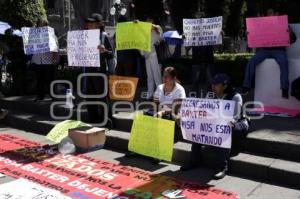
[87, 137]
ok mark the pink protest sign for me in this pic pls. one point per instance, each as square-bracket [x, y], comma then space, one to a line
[268, 31]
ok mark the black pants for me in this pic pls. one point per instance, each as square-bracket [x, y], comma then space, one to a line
[96, 86]
[222, 155]
[44, 75]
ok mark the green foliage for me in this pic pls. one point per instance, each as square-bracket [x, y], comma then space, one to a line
[20, 13]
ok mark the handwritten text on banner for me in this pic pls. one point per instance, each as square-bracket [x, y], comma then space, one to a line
[131, 35]
[207, 121]
[39, 40]
[83, 48]
[203, 32]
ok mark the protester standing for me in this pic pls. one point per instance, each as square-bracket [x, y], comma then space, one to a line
[44, 64]
[96, 85]
[153, 68]
[223, 89]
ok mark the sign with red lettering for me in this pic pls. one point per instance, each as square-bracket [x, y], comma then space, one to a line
[268, 31]
[80, 176]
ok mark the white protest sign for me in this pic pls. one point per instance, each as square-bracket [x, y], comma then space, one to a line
[207, 121]
[39, 40]
[24, 189]
[203, 32]
[83, 48]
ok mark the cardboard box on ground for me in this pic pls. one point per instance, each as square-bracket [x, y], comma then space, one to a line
[88, 137]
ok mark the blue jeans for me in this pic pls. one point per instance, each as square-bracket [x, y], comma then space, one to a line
[280, 57]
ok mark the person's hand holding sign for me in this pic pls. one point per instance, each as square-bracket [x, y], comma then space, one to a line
[102, 49]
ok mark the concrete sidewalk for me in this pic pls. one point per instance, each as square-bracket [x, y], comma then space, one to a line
[247, 189]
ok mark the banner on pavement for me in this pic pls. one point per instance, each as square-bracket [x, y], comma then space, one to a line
[207, 121]
[39, 40]
[268, 31]
[122, 88]
[203, 31]
[132, 35]
[152, 137]
[80, 176]
[83, 48]
[28, 190]
[61, 130]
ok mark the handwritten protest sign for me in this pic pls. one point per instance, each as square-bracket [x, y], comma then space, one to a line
[152, 137]
[61, 130]
[268, 31]
[130, 35]
[203, 32]
[122, 88]
[81, 176]
[28, 190]
[39, 40]
[207, 121]
[83, 48]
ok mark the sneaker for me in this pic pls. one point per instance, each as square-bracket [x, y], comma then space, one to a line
[220, 174]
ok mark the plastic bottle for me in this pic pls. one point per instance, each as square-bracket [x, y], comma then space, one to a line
[69, 99]
[66, 146]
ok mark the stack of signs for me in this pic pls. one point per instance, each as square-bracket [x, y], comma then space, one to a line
[207, 121]
[39, 40]
[83, 48]
[203, 32]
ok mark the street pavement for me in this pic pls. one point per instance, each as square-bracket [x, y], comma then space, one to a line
[246, 188]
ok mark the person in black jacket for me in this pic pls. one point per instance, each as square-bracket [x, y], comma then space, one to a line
[96, 85]
[222, 88]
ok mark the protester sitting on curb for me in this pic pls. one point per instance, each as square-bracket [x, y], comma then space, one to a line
[223, 89]
[168, 93]
[167, 99]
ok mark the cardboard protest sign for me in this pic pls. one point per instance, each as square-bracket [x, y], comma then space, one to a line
[268, 31]
[28, 190]
[203, 32]
[39, 40]
[83, 48]
[207, 121]
[61, 130]
[130, 35]
[80, 176]
[122, 88]
[152, 137]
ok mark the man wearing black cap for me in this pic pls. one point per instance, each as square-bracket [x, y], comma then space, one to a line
[96, 85]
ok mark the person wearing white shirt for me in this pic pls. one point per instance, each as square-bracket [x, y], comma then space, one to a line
[169, 93]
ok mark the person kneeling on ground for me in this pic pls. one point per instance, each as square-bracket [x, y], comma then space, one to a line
[223, 89]
[167, 98]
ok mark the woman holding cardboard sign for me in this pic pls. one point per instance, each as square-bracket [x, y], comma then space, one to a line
[168, 97]
[223, 89]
